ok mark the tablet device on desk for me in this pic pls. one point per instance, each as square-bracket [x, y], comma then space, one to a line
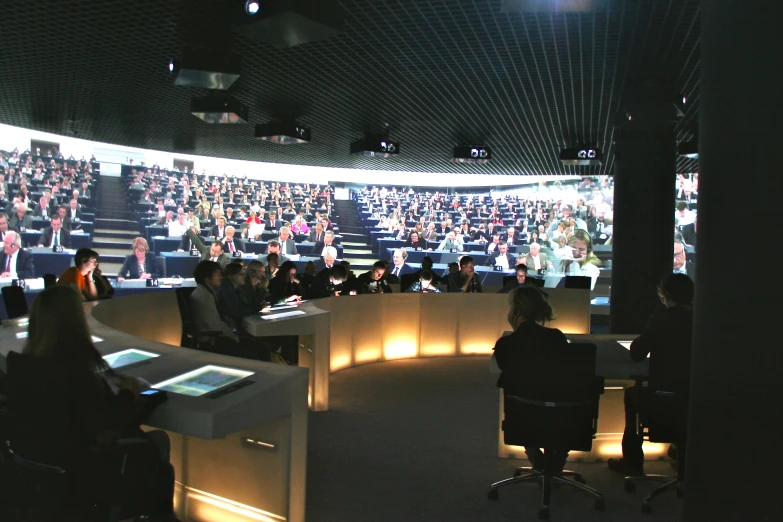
[128, 357]
[202, 380]
[280, 316]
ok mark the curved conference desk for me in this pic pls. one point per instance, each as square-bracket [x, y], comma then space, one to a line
[241, 455]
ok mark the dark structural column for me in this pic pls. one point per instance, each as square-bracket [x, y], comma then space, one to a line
[644, 176]
[735, 441]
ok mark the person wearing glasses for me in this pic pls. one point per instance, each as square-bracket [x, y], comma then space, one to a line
[140, 264]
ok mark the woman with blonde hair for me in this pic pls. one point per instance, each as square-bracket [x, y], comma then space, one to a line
[584, 262]
[140, 264]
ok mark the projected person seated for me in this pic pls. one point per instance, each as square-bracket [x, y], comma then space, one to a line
[451, 243]
[465, 279]
[81, 275]
[15, 263]
[424, 284]
[501, 257]
[213, 252]
[140, 264]
[519, 281]
[372, 281]
[207, 317]
[329, 282]
[55, 235]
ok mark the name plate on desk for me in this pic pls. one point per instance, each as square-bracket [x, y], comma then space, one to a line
[454, 250]
[194, 253]
[22, 229]
[153, 282]
[498, 268]
[57, 249]
[541, 271]
[236, 254]
[18, 282]
[251, 240]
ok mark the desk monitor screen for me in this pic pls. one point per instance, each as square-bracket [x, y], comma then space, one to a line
[127, 357]
[202, 381]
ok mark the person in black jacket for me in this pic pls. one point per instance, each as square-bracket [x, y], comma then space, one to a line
[372, 282]
[667, 340]
[329, 282]
[530, 345]
[284, 286]
[140, 264]
[60, 405]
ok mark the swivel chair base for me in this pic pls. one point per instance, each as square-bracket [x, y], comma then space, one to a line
[669, 483]
[546, 479]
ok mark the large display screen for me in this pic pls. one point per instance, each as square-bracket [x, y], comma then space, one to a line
[202, 380]
[128, 357]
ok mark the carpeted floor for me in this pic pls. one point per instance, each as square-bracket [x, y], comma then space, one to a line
[415, 440]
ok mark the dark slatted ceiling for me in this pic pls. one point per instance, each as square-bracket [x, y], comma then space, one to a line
[432, 73]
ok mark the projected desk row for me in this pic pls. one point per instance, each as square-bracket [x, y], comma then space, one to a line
[238, 427]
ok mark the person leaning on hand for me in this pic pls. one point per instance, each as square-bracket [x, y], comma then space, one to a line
[81, 275]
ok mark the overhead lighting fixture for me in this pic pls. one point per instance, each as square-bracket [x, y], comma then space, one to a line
[471, 154]
[550, 6]
[252, 7]
[208, 70]
[288, 23]
[375, 147]
[688, 149]
[581, 156]
[283, 133]
[219, 109]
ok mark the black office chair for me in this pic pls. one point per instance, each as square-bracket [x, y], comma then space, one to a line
[15, 301]
[582, 282]
[665, 415]
[49, 280]
[190, 332]
[554, 408]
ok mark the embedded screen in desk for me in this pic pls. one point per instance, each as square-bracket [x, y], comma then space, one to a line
[127, 357]
[202, 380]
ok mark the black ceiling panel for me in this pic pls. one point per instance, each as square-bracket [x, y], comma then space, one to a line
[430, 73]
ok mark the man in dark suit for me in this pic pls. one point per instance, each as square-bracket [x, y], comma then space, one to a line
[15, 262]
[317, 235]
[667, 341]
[328, 241]
[231, 243]
[55, 234]
[328, 282]
[273, 247]
[501, 257]
[400, 267]
[4, 228]
[372, 281]
[213, 252]
[273, 223]
[287, 244]
[219, 230]
[520, 279]
[73, 213]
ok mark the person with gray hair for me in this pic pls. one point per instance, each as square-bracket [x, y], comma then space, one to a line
[20, 221]
[15, 263]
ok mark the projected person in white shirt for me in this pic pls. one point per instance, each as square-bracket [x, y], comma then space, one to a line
[501, 257]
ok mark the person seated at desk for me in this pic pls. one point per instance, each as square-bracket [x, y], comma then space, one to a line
[166, 219]
[15, 262]
[140, 264]
[414, 242]
[328, 260]
[55, 234]
[431, 234]
[501, 257]
[426, 264]
[400, 267]
[284, 286]
[4, 228]
[231, 243]
[464, 279]
[273, 223]
[492, 246]
[233, 299]
[423, 284]
[299, 226]
[372, 281]
[328, 241]
[519, 281]
[530, 345]
[667, 340]
[206, 314]
[178, 227]
[584, 261]
[537, 260]
[219, 230]
[213, 252]
[103, 286]
[287, 244]
[273, 247]
[59, 344]
[317, 236]
[256, 283]
[80, 276]
[73, 214]
[329, 282]
[19, 220]
[451, 243]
